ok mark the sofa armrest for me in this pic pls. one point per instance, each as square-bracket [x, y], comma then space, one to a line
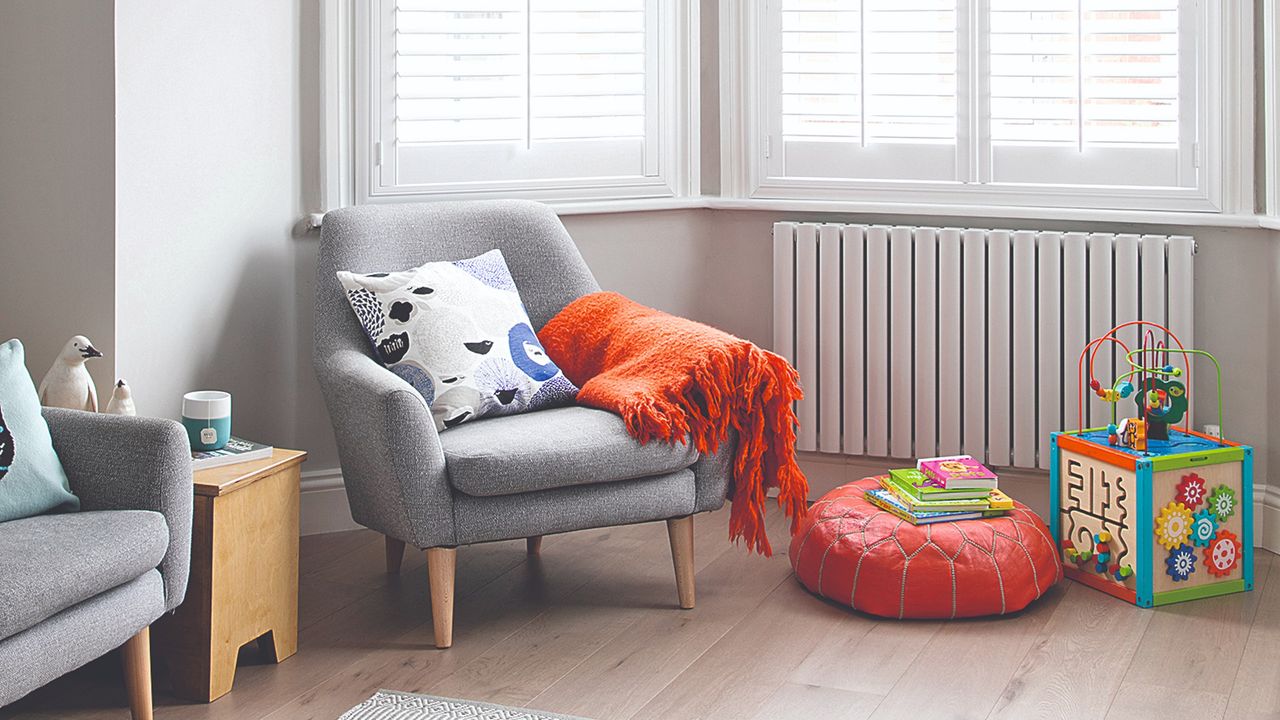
[392, 463]
[132, 463]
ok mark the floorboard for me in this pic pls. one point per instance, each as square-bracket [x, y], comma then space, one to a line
[591, 628]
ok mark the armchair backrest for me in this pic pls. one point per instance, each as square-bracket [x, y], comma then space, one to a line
[545, 264]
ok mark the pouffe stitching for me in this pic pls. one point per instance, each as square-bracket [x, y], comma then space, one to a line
[1010, 529]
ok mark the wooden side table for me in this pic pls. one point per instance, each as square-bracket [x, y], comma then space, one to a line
[244, 574]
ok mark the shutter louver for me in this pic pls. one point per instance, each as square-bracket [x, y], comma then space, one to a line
[1084, 72]
[878, 70]
[485, 95]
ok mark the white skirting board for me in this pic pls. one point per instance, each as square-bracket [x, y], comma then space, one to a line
[324, 503]
[1266, 517]
[325, 509]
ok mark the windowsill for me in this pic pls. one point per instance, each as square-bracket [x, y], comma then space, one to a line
[1135, 217]
[1011, 212]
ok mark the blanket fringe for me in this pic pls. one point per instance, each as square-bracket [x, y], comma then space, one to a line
[677, 381]
[709, 404]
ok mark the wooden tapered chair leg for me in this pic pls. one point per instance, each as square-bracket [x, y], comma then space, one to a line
[680, 532]
[136, 654]
[395, 555]
[533, 545]
[441, 562]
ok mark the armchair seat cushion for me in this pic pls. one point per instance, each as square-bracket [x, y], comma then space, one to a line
[52, 562]
[551, 449]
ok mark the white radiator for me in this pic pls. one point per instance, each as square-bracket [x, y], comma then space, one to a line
[918, 341]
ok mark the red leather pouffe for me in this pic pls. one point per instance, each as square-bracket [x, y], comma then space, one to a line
[856, 554]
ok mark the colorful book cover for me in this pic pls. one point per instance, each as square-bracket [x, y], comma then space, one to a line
[886, 500]
[1000, 501]
[916, 505]
[913, 482]
[958, 471]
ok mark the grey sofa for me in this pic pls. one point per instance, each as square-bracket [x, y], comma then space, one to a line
[521, 476]
[74, 586]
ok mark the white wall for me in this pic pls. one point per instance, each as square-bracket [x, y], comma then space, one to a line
[216, 137]
[208, 193]
[57, 261]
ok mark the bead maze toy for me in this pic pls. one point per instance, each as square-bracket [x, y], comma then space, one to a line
[1147, 511]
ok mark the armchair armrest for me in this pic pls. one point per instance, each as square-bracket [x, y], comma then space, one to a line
[131, 463]
[392, 463]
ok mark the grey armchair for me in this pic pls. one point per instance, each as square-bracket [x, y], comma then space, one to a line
[520, 476]
[74, 586]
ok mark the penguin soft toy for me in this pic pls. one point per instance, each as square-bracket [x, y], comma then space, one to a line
[121, 402]
[68, 384]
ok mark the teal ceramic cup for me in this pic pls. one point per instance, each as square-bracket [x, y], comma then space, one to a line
[206, 414]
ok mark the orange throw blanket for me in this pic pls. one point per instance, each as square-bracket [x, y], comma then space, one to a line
[671, 379]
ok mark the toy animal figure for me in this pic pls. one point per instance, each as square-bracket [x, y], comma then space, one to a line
[68, 384]
[1132, 434]
[121, 402]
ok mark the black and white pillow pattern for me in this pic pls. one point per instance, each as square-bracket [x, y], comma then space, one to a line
[458, 333]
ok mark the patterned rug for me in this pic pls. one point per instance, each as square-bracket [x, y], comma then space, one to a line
[395, 705]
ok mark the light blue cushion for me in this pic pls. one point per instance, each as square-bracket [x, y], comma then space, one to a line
[31, 477]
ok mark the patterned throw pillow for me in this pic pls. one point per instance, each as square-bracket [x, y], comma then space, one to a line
[32, 481]
[458, 333]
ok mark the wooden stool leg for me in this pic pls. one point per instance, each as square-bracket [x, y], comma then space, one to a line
[441, 562]
[395, 555]
[533, 545]
[680, 532]
[136, 654]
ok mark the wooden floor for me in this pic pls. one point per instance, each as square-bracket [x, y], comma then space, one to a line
[592, 629]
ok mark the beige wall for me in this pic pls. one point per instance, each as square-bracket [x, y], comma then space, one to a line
[212, 281]
[209, 192]
[57, 259]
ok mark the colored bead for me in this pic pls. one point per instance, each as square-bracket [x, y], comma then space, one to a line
[1104, 557]
[1125, 388]
[1102, 537]
[1100, 568]
[1094, 384]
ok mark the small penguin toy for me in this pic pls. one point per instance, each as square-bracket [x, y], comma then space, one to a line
[68, 384]
[121, 402]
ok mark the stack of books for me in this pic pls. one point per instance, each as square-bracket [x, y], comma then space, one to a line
[941, 489]
[237, 450]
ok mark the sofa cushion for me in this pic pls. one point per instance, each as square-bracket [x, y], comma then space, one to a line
[32, 480]
[51, 562]
[551, 449]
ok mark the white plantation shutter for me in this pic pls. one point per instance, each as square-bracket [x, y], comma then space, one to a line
[1067, 93]
[868, 89]
[486, 95]
[1087, 92]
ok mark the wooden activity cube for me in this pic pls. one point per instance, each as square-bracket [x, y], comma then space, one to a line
[1169, 524]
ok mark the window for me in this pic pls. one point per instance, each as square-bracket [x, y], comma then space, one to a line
[1084, 103]
[551, 99]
